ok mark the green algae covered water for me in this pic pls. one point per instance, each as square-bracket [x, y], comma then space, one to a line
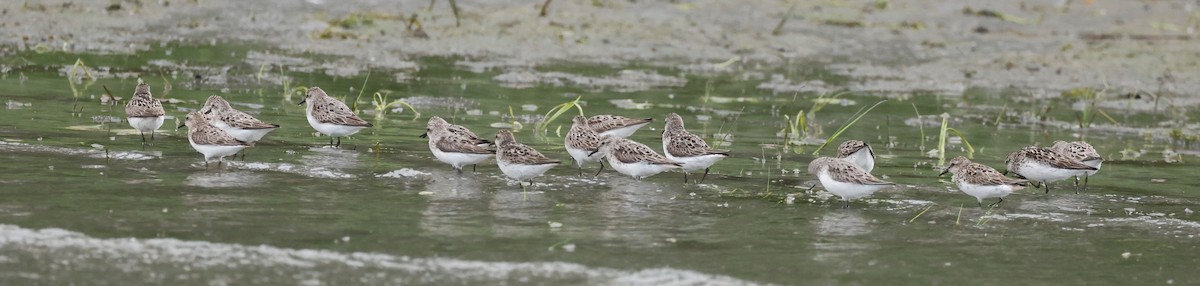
[82, 201]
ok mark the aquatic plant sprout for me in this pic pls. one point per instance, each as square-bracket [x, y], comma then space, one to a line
[555, 112]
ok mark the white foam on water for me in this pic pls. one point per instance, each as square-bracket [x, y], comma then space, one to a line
[403, 173]
[6, 146]
[308, 171]
[56, 256]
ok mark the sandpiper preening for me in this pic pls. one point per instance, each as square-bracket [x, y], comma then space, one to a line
[582, 142]
[632, 158]
[519, 161]
[859, 153]
[689, 150]
[845, 179]
[616, 125]
[238, 124]
[981, 181]
[330, 116]
[453, 148]
[1039, 164]
[210, 140]
[1080, 152]
[145, 113]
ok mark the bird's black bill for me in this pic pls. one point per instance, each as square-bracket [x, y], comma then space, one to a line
[302, 101]
[424, 135]
[181, 125]
[593, 153]
[947, 170]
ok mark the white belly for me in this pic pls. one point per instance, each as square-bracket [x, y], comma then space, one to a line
[581, 156]
[981, 192]
[458, 159]
[1035, 171]
[848, 191]
[333, 130]
[246, 135]
[521, 172]
[215, 151]
[863, 159]
[696, 163]
[639, 170]
[146, 124]
[623, 132]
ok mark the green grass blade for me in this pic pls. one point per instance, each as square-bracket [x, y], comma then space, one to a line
[857, 115]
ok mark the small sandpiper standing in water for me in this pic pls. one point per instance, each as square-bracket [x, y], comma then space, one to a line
[689, 150]
[859, 153]
[981, 181]
[145, 113]
[331, 117]
[1043, 165]
[519, 161]
[616, 125]
[582, 141]
[845, 179]
[210, 140]
[1080, 152]
[238, 124]
[454, 148]
[632, 158]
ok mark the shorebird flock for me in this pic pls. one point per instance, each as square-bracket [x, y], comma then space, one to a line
[217, 130]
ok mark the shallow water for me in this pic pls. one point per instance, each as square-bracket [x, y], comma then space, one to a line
[83, 201]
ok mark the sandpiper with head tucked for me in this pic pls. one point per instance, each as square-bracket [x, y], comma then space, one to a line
[859, 153]
[581, 142]
[632, 158]
[210, 140]
[454, 148]
[1080, 152]
[981, 181]
[845, 179]
[616, 125]
[519, 161]
[238, 124]
[145, 113]
[1043, 165]
[330, 116]
[689, 150]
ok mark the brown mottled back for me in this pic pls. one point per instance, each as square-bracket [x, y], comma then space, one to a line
[143, 104]
[216, 108]
[602, 123]
[844, 171]
[681, 143]
[203, 133]
[979, 174]
[628, 151]
[508, 150]
[326, 109]
[581, 136]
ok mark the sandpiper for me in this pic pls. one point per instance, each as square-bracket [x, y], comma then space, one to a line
[454, 148]
[1080, 152]
[981, 181]
[210, 140]
[689, 150]
[145, 113]
[859, 153]
[238, 124]
[632, 158]
[519, 161]
[581, 141]
[845, 179]
[616, 125]
[1043, 165]
[331, 117]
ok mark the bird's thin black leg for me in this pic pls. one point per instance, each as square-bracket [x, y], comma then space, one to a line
[704, 176]
[601, 169]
